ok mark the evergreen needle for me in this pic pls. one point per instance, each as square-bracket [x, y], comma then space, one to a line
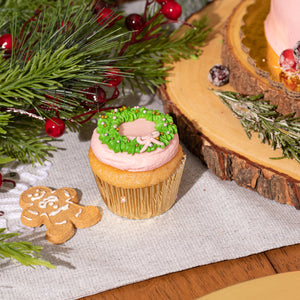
[23, 252]
[258, 115]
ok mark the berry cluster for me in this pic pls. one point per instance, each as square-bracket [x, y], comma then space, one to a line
[289, 62]
[95, 96]
[289, 59]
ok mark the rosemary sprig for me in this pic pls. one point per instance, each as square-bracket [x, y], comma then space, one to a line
[23, 252]
[273, 128]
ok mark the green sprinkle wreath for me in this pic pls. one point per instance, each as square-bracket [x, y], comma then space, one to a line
[108, 129]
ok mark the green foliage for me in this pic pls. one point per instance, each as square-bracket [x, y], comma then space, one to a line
[258, 115]
[23, 252]
[62, 51]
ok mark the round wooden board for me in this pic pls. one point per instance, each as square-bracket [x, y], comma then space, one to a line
[211, 132]
[252, 62]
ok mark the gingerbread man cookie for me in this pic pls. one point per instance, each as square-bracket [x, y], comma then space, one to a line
[58, 211]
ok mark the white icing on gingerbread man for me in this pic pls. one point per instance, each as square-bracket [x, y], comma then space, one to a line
[57, 210]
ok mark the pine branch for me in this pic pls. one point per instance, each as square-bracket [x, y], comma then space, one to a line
[23, 141]
[151, 59]
[62, 51]
[258, 115]
[23, 252]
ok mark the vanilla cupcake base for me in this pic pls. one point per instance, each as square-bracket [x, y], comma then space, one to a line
[150, 199]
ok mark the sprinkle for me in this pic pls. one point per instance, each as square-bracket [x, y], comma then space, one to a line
[165, 124]
[105, 134]
[164, 119]
[144, 111]
[102, 123]
[168, 132]
[115, 126]
[114, 117]
[118, 141]
[115, 110]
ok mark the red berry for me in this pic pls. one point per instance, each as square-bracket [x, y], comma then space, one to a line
[171, 10]
[96, 94]
[55, 127]
[107, 15]
[218, 75]
[287, 61]
[134, 22]
[113, 77]
[7, 41]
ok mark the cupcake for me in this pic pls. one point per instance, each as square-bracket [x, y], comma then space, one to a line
[137, 161]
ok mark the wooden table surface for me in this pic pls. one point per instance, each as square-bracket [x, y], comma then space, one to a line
[199, 281]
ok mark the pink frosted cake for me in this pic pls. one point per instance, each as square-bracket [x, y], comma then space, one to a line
[282, 31]
[137, 161]
[282, 25]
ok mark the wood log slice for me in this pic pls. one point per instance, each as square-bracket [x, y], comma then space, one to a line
[211, 132]
[252, 62]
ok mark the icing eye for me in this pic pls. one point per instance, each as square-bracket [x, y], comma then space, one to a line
[55, 207]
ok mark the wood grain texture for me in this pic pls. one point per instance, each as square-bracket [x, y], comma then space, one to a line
[212, 133]
[199, 281]
[193, 283]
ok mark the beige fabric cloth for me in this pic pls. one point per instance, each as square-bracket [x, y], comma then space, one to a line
[213, 220]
